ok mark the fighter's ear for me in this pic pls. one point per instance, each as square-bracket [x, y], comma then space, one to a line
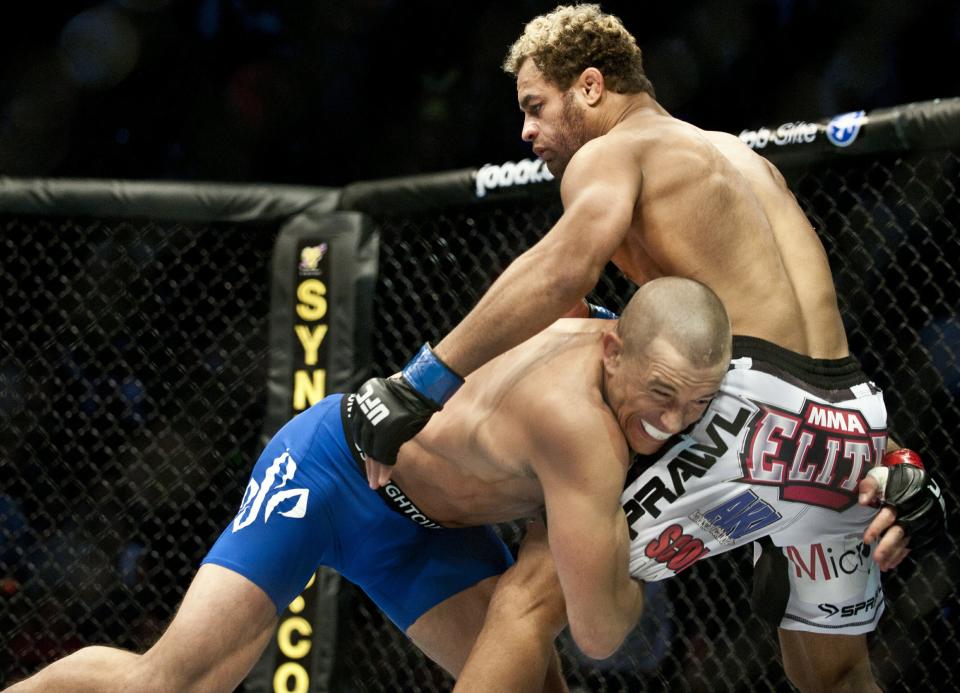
[591, 86]
[612, 349]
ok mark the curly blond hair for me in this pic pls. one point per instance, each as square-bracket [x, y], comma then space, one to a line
[565, 42]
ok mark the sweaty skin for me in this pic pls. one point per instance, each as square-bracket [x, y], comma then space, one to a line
[549, 425]
[743, 234]
[478, 462]
[659, 196]
[552, 424]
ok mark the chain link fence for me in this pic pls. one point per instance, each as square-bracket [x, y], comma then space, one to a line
[133, 358]
[890, 229]
[132, 366]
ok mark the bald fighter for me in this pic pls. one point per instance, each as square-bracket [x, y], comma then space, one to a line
[551, 424]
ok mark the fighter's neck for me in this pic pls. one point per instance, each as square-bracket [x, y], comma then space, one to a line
[623, 107]
[604, 395]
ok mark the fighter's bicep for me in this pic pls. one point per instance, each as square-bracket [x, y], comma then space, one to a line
[579, 452]
[582, 504]
[588, 540]
[582, 477]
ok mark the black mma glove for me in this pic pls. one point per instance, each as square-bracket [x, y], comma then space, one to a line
[907, 487]
[387, 412]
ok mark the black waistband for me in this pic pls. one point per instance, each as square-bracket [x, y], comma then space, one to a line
[831, 374]
[391, 494]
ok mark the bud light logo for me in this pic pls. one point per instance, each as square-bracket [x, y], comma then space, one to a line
[843, 129]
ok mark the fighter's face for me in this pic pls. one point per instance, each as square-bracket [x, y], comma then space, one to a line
[659, 394]
[553, 121]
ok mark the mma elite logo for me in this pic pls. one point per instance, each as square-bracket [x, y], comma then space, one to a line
[817, 456]
[294, 500]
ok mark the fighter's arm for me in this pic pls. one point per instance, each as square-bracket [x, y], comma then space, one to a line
[600, 189]
[582, 473]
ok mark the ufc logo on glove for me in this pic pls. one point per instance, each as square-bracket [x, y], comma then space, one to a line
[375, 410]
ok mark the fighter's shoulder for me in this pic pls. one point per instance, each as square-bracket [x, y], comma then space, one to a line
[683, 142]
[606, 159]
[547, 380]
[574, 424]
[650, 142]
[602, 153]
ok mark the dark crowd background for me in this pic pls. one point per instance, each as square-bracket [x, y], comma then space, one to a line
[326, 93]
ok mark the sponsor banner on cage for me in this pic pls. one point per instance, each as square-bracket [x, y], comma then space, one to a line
[842, 130]
[510, 174]
[798, 132]
[323, 270]
[310, 258]
[311, 323]
[839, 131]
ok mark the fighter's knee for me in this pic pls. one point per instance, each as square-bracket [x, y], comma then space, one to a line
[136, 673]
[545, 608]
[155, 672]
[140, 672]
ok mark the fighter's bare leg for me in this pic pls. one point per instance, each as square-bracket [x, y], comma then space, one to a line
[447, 634]
[515, 650]
[219, 631]
[817, 662]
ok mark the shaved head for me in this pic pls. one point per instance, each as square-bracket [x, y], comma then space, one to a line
[684, 313]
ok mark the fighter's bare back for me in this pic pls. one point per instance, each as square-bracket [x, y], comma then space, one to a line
[497, 418]
[711, 209]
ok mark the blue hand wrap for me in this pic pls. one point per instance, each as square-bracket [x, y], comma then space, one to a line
[431, 377]
[601, 312]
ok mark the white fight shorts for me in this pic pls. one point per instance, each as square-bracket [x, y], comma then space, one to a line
[776, 460]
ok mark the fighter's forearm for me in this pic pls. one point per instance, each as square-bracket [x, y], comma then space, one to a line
[605, 608]
[629, 611]
[536, 289]
[603, 631]
[533, 292]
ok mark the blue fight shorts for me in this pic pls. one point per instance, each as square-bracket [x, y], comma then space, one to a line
[308, 505]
